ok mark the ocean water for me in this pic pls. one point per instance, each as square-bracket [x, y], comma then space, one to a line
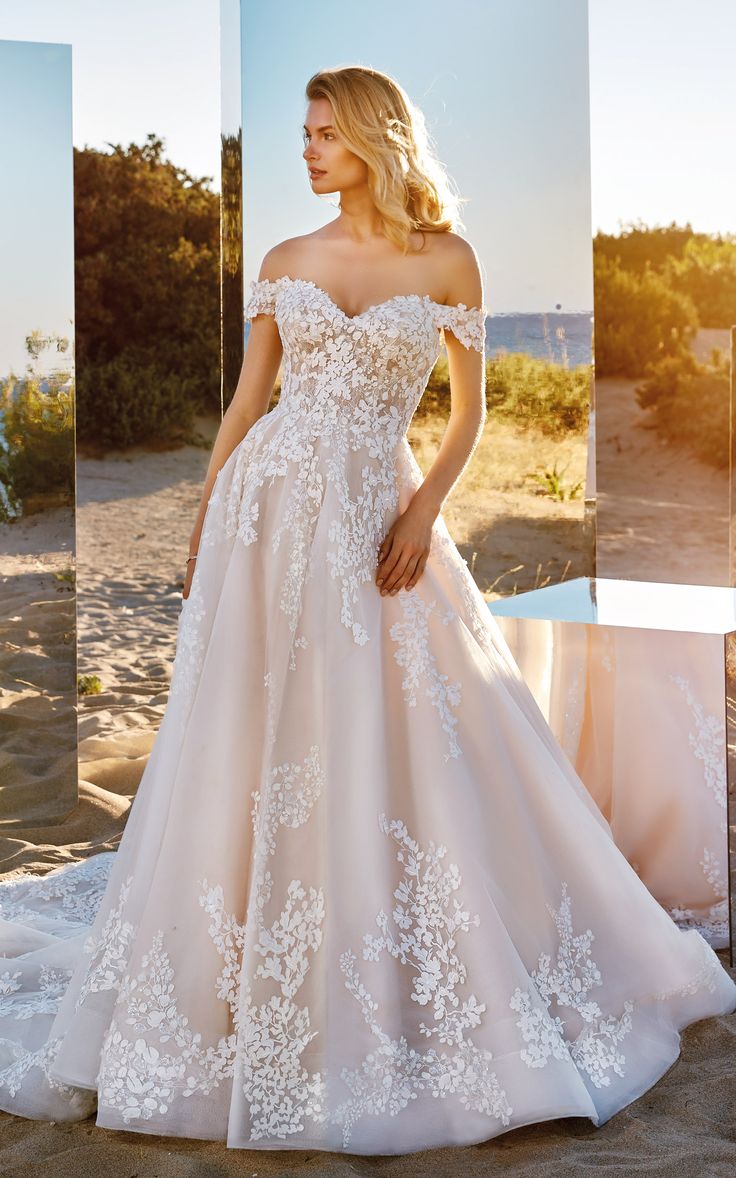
[564, 338]
[561, 338]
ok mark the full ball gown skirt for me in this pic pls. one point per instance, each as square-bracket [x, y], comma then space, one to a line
[362, 901]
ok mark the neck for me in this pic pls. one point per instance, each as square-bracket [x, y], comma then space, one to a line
[359, 219]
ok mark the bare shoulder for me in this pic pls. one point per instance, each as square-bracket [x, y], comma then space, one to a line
[461, 273]
[285, 257]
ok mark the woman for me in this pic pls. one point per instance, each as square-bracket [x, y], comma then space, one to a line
[362, 901]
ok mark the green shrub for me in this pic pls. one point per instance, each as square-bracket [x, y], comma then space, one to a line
[147, 294]
[701, 266]
[36, 433]
[532, 393]
[706, 272]
[689, 404]
[638, 319]
[131, 401]
[538, 394]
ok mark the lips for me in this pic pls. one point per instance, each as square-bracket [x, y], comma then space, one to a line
[314, 173]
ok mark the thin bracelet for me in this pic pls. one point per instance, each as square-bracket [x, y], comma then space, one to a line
[192, 557]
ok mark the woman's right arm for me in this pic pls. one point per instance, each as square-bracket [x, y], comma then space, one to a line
[250, 401]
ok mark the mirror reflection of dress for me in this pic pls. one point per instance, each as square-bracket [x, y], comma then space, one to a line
[362, 901]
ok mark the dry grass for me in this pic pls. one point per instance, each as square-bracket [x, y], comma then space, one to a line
[513, 536]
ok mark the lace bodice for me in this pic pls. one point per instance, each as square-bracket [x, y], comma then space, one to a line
[349, 389]
[363, 370]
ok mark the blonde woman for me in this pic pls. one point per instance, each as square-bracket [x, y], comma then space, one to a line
[362, 902]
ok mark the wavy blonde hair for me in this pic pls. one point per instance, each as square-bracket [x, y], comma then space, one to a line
[380, 124]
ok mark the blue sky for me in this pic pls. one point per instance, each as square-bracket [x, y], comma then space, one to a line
[139, 66]
[503, 86]
[663, 97]
[504, 89]
[36, 197]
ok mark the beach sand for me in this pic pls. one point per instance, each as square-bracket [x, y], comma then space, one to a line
[135, 512]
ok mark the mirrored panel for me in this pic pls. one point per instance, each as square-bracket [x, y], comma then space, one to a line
[636, 681]
[141, 244]
[522, 513]
[665, 251]
[38, 654]
[231, 209]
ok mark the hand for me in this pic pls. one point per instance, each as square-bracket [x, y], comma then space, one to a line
[404, 552]
[194, 539]
[191, 564]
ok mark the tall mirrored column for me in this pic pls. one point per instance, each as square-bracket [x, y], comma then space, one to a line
[38, 651]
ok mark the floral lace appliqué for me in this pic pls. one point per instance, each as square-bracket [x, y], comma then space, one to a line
[52, 982]
[75, 891]
[14, 1073]
[109, 950]
[190, 644]
[140, 1075]
[428, 919]
[350, 387]
[708, 744]
[566, 984]
[78, 887]
[415, 655]
[349, 390]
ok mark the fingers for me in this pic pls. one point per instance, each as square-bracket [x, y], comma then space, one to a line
[401, 573]
[392, 566]
[400, 564]
[417, 573]
[387, 571]
[386, 560]
[409, 576]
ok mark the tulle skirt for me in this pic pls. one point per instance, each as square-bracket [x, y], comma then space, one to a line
[362, 901]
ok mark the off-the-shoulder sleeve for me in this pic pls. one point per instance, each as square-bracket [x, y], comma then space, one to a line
[262, 299]
[468, 324]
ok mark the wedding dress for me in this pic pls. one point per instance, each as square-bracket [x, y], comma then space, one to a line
[362, 901]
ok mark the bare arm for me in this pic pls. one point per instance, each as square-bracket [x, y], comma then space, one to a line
[250, 401]
[404, 552]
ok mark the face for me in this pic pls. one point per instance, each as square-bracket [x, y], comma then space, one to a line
[331, 166]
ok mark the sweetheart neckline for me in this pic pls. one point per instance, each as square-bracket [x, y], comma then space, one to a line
[374, 306]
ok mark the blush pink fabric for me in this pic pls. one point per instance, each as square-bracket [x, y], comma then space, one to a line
[363, 902]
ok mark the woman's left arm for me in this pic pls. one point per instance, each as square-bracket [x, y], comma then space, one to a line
[405, 549]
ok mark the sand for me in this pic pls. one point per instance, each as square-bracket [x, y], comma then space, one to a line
[661, 513]
[135, 512]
